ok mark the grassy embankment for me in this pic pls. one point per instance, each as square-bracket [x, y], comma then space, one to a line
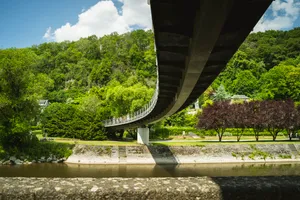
[180, 141]
[199, 143]
[90, 142]
[62, 146]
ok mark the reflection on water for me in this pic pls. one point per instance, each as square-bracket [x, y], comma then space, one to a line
[74, 170]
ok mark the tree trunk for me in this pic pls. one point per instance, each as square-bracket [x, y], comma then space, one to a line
[239, 137]
[256, 133]
[220, 137]
[289, 134]
[121, 135]
[275, 135]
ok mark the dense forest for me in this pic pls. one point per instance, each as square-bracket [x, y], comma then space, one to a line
[266, 66]
[93, 79]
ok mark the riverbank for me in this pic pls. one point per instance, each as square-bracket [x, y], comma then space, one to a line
[169, 154]
[41, 152]
[210, 153]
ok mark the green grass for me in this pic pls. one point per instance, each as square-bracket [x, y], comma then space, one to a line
[187, 143]
[285, 156]
[227, 138]
[91, 142]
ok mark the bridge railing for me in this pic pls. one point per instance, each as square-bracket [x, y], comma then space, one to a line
[139, 114]
[131, 117]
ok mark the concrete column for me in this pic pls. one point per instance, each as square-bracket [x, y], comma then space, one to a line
[143, 135]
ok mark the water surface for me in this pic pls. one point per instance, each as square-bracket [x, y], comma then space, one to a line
[184, 170]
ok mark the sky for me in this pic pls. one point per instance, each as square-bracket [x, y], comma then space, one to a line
[26, 23]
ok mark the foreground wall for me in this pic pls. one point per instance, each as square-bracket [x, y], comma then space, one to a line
[151, 188]
[214, 153]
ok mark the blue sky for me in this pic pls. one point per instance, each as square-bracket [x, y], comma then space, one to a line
[25, 23]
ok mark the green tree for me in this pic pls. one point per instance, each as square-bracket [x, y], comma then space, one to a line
[281, 82]
[221, 94]
[100, 74]
[18, 103]
[123, 100]
[245, 83]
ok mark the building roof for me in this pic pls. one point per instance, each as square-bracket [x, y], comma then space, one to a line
[239, 97]
[43, 102]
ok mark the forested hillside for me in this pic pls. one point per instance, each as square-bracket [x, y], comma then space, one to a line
[96, 78]
[267, 66]
[113, 70]
[86, 82]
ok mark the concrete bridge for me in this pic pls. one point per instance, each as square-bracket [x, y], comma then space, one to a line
[194, 41]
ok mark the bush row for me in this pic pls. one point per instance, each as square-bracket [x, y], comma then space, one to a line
[27, 145]
[65, 120]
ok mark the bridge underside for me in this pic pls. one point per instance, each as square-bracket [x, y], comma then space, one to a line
[194, 41]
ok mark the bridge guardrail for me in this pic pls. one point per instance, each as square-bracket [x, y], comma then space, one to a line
[141, 113]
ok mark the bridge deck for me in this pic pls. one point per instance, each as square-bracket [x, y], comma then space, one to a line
[194, 42]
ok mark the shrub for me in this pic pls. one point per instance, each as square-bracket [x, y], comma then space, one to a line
[2, 153]
[35, 128]
[163, 133]
[46, 149]
[38, 150]
[174, 130]
[65, 120]
[17, 139]
[285, 156]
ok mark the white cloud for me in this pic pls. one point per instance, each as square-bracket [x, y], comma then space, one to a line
[48, 35]
[284, 14]
[104, 18]
[137, 12]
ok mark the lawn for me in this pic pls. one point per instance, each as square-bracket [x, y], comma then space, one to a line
[91, 142]
[226, 138]
[179, 141]
[205, 142]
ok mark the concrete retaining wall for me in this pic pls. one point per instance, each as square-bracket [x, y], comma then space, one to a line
[200, 188]
[214, 153]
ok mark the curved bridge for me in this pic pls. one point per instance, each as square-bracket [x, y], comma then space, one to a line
[194, 41]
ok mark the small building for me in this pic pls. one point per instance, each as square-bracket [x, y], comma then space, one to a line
[43, 104]
[238, 98]
[193, 108]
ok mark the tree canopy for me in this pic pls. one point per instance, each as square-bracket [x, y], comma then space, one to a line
[266, 66]
[116, 74]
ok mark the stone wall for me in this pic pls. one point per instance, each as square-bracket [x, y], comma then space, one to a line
[200, 188]
[213, 153]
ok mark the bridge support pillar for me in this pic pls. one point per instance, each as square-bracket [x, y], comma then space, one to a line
[143, 135]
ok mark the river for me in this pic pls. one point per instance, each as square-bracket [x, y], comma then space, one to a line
[184, 170]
